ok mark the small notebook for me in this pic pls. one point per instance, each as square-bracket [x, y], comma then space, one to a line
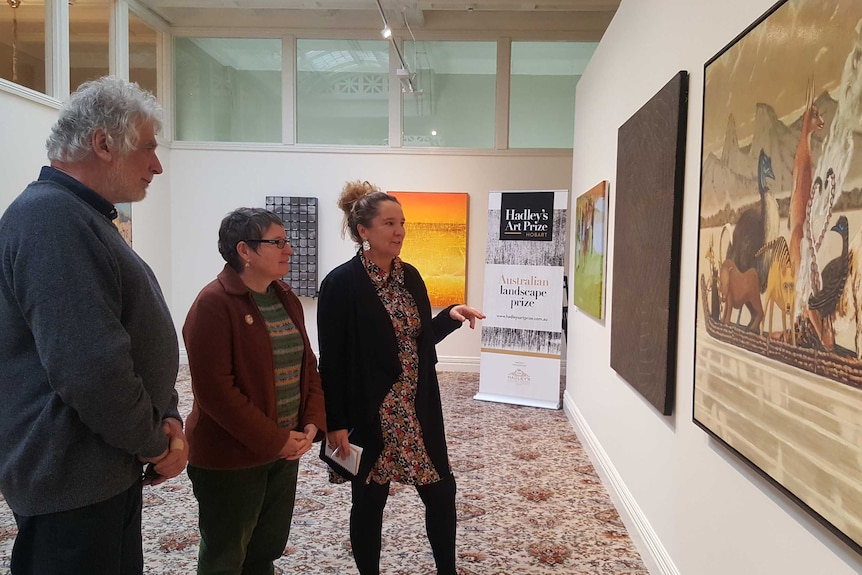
[351, 464]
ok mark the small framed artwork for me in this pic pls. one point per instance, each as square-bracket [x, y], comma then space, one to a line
[299, 215]
[123, 221]
[591, 216]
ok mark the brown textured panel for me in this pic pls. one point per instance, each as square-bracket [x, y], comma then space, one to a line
[647, 228]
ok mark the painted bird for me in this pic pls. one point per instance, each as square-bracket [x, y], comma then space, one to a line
[833, 278]
[756, 227]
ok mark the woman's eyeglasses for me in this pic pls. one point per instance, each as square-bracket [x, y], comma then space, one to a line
[279, 243]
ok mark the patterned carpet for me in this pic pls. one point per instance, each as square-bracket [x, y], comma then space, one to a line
[529, 502]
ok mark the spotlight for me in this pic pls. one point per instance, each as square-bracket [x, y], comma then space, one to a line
[387, 31]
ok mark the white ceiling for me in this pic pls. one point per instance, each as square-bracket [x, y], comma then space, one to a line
[570, 20]
[476, 20]
[574, 20]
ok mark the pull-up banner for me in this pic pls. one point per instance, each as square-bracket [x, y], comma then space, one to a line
[527, 216]
[523, 304]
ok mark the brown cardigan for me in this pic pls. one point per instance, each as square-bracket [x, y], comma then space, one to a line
[233, 423]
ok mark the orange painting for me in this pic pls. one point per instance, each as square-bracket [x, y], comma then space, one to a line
[436, 242]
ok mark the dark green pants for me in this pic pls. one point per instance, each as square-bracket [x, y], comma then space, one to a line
[244, 516]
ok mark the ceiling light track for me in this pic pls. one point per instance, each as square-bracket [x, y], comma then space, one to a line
[404, 75]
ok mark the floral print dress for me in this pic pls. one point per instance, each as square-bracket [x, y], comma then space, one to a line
[404, 458]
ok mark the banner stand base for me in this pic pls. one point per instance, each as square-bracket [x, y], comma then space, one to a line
[543, 403]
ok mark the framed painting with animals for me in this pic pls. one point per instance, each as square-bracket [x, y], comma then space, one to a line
[778, 337]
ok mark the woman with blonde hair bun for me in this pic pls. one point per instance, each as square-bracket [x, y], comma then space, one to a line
[377, 367]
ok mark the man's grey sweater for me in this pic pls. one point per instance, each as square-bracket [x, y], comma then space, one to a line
[88, 354]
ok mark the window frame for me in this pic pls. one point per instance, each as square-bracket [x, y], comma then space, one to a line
[57, 72]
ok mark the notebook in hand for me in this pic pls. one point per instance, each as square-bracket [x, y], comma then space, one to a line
[351, 464]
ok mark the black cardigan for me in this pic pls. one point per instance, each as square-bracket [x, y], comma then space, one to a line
[359, 360]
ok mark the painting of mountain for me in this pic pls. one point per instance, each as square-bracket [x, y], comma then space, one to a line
[730, 178]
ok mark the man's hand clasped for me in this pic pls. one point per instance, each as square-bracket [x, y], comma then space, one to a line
[173, 460]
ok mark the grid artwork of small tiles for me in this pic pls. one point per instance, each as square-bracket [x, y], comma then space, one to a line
[299, 216]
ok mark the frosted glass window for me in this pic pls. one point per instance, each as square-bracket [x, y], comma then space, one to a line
[89, 24]
[22, 44]
[227, 89]
[143, 46]
[542, 92]
[342, 92]
[454, 93]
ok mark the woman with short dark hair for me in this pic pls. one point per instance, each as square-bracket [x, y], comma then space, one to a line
[258, 404]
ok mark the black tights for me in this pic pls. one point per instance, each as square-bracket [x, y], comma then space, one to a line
[366, 523]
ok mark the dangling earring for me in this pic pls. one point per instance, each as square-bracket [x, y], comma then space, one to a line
[248, 264]
[365, 245]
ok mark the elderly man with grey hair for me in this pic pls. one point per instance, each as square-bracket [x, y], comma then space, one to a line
[88, 350]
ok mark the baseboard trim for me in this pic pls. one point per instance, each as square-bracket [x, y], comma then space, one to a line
[444, 363]
[653, 553]
[470, 364]
[458, 363]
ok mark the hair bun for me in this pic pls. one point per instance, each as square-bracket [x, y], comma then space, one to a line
[352, 192]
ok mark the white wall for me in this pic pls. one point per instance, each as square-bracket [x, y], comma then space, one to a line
[699, 509]
[208, 183]
[24, 126]
[151, 229]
